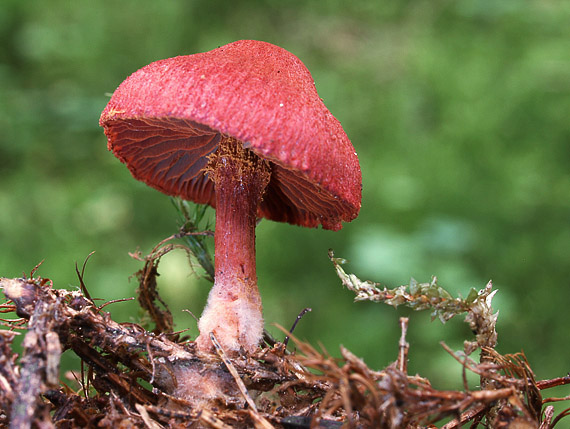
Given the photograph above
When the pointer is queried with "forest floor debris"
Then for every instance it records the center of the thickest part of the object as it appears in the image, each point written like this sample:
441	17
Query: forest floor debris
128	377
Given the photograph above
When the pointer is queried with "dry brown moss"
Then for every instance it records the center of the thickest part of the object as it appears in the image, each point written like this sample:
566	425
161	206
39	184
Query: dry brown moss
134	378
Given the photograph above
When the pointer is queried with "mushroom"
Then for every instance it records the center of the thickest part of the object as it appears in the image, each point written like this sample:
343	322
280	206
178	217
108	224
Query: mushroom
240	128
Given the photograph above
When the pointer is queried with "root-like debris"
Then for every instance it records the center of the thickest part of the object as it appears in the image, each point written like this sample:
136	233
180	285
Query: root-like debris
136	378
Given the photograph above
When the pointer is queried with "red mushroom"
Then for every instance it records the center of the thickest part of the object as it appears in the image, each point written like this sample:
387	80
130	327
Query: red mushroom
243	129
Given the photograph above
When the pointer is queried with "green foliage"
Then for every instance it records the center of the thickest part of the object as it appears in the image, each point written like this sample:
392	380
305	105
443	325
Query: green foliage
417	296
458	112
193	220
431	296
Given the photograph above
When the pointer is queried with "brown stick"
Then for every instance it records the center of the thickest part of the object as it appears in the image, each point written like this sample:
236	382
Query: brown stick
404	346
27	406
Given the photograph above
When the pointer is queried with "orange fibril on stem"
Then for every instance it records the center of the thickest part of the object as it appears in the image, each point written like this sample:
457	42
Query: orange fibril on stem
240	128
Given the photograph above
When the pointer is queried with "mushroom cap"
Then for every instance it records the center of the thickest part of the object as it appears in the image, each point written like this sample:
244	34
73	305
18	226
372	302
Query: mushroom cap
166	118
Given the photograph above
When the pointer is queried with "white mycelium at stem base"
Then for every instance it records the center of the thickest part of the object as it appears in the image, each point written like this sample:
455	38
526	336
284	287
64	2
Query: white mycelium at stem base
233	312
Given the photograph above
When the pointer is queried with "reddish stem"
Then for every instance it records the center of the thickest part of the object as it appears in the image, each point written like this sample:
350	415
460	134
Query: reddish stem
233	311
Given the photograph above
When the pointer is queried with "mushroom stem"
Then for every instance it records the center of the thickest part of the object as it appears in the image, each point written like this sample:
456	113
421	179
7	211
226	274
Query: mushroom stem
233	311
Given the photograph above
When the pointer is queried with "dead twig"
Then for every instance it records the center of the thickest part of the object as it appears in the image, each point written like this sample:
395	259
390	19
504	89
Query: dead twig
404	346
299	317
38	360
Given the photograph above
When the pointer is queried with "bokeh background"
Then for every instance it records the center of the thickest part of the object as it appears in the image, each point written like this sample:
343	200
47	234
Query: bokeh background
459	112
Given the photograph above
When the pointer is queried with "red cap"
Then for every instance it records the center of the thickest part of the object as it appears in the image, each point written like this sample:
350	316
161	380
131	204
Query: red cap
166	118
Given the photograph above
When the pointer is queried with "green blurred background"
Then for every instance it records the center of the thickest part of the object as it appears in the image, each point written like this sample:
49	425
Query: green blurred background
459	114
